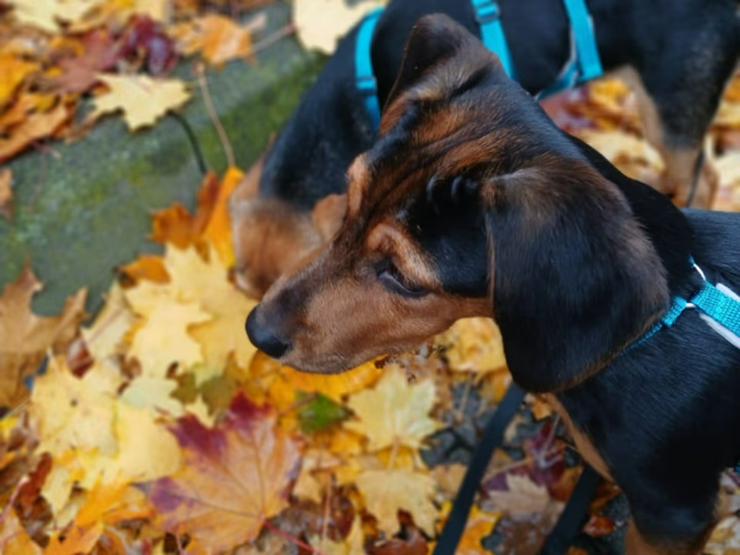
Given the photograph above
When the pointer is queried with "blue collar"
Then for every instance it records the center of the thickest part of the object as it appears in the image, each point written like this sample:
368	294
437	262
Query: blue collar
712	302
583	64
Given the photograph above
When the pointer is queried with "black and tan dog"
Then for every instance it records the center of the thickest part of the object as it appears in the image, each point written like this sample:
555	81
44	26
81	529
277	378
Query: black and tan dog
677	54
472	203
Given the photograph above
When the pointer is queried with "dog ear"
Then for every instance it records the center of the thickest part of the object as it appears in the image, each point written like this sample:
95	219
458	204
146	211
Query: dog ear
574	277
435	40
328	215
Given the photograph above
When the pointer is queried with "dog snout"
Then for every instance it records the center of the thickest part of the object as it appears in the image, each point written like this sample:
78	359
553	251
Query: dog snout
265	337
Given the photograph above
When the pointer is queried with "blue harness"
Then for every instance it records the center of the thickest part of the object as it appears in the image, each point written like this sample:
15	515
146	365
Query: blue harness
583	64
712	302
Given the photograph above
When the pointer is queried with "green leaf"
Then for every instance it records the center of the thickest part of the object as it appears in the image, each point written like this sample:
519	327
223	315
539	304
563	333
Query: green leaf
318	413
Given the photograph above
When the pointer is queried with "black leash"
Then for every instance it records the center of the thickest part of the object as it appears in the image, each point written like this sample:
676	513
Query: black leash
493	435
570	521
574	515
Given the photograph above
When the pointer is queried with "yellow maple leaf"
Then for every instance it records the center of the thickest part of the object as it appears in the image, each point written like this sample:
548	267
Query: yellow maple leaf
206	283
46	14
72	413
142	99
320	23
385	492
473	345
153	393
104	338
394	412
162	337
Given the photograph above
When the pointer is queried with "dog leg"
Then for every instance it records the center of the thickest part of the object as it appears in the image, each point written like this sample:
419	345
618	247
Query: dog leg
687	178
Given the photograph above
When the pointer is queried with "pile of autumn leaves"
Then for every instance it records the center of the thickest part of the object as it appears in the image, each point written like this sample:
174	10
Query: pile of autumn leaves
159	428
64	63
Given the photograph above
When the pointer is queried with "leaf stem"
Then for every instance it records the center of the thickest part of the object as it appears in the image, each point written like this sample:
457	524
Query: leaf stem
287	536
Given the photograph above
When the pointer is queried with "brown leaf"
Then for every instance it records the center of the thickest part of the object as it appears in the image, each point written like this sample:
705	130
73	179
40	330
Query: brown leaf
148	267
37	126
6	193
599	526
27	337
101	52
233	477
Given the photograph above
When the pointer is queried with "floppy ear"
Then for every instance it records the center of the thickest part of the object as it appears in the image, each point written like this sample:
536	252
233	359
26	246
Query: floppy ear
574	276
435	40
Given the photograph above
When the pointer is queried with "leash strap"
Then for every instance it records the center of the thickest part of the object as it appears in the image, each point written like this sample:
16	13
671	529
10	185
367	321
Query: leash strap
573	516
493	436
488	16
364	74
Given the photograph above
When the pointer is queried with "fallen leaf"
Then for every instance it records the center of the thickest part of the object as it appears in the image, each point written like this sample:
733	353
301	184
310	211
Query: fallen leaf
35	127
100	53
72	413
394	412
14	540
6	193
46	14
599	526
353	544
174	225
235	476
13	71
480	525
219	38
161	339
104	339
75	541
473	345
27	337
386	492
142	99
204	283
154	394
321	23
218	230
148	267
522	497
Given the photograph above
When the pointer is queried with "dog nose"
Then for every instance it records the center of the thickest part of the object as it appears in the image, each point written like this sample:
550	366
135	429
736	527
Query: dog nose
264	338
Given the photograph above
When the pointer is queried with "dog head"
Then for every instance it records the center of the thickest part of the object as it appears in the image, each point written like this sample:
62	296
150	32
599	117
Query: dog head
272	236
471	203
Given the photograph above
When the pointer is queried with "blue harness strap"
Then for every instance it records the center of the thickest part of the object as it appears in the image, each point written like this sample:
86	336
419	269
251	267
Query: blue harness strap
583	65
488	16
710	301
364	74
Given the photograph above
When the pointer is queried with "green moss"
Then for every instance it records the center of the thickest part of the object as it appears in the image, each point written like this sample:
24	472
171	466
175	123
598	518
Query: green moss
85	208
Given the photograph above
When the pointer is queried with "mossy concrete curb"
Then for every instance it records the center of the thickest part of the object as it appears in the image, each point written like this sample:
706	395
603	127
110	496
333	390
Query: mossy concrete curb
82	209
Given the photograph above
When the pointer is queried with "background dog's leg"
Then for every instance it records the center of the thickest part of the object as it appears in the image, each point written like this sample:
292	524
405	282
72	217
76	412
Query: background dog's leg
676	128
679	81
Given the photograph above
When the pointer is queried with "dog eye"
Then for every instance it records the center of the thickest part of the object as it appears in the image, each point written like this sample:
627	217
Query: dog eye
396	282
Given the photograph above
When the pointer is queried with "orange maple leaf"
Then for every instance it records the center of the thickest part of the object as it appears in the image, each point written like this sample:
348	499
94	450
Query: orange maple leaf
233	477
